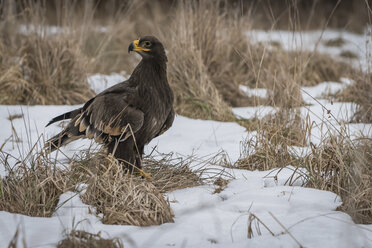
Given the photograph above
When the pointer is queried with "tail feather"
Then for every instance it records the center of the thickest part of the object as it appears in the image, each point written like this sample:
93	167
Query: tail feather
65	116
68	135
55	142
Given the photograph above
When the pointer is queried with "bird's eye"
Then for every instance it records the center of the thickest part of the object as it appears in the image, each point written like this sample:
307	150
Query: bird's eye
147	43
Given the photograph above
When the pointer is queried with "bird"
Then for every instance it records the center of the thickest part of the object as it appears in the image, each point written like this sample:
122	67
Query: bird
127	116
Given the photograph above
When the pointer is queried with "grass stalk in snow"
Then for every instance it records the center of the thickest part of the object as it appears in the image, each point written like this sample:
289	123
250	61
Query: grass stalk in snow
82	239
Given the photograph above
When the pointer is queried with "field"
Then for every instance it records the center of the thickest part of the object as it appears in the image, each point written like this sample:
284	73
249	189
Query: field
271	145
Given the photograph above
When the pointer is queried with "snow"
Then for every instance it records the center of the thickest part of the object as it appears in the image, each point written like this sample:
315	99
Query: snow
321	90
52	30
202	217
359	44
321	113
256	92
253	112
100	82
292	214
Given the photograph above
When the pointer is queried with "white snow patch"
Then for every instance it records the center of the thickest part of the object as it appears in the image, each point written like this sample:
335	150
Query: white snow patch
256	92
253	112
359	44
100	82
200	138
321	90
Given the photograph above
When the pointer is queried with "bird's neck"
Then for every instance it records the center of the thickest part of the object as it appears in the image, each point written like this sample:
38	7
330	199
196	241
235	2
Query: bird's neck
150	72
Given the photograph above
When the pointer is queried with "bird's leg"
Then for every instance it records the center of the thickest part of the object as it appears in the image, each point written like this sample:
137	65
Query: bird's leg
139	155
128	156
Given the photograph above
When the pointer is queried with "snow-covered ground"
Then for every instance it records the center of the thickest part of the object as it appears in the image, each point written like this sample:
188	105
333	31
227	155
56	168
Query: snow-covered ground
292	214
358	44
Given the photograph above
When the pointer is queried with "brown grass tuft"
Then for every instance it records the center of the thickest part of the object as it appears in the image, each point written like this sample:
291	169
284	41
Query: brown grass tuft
82	239
44	70
275	133
266	155
343	167
277	66
282	73
32	191
360	92
336	42
123	199
169	174
220	184
193	65
348	54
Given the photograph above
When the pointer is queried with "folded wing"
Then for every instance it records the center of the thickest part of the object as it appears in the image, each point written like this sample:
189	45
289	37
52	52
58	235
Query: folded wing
107	116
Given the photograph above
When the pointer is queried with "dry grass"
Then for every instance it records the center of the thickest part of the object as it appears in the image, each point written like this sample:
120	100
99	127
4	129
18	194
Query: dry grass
269	148
123	199
348	54
82	239
32	191
209	56
210	61
169	174
360	92
343	167
337	164
282	73
34	185
309	15
220	184
336	42
302	67
201	55
43	70
130	200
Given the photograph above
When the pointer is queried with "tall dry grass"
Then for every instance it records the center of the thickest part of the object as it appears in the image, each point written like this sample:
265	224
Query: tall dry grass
344	167
209	54
201	40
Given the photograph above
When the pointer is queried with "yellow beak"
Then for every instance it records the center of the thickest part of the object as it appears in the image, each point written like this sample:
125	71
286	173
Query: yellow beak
135	47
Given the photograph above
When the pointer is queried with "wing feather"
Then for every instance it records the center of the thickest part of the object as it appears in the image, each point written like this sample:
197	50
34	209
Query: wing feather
109	115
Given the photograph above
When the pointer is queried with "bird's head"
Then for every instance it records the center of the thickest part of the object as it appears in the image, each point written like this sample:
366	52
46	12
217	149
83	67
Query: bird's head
148	47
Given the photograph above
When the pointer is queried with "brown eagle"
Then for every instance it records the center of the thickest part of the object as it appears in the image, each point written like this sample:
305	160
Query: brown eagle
128	115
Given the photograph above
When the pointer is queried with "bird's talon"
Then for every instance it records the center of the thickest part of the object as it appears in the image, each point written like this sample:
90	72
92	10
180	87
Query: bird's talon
143	174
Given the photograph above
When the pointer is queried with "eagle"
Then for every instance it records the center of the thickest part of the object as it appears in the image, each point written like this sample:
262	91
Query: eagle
127	116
